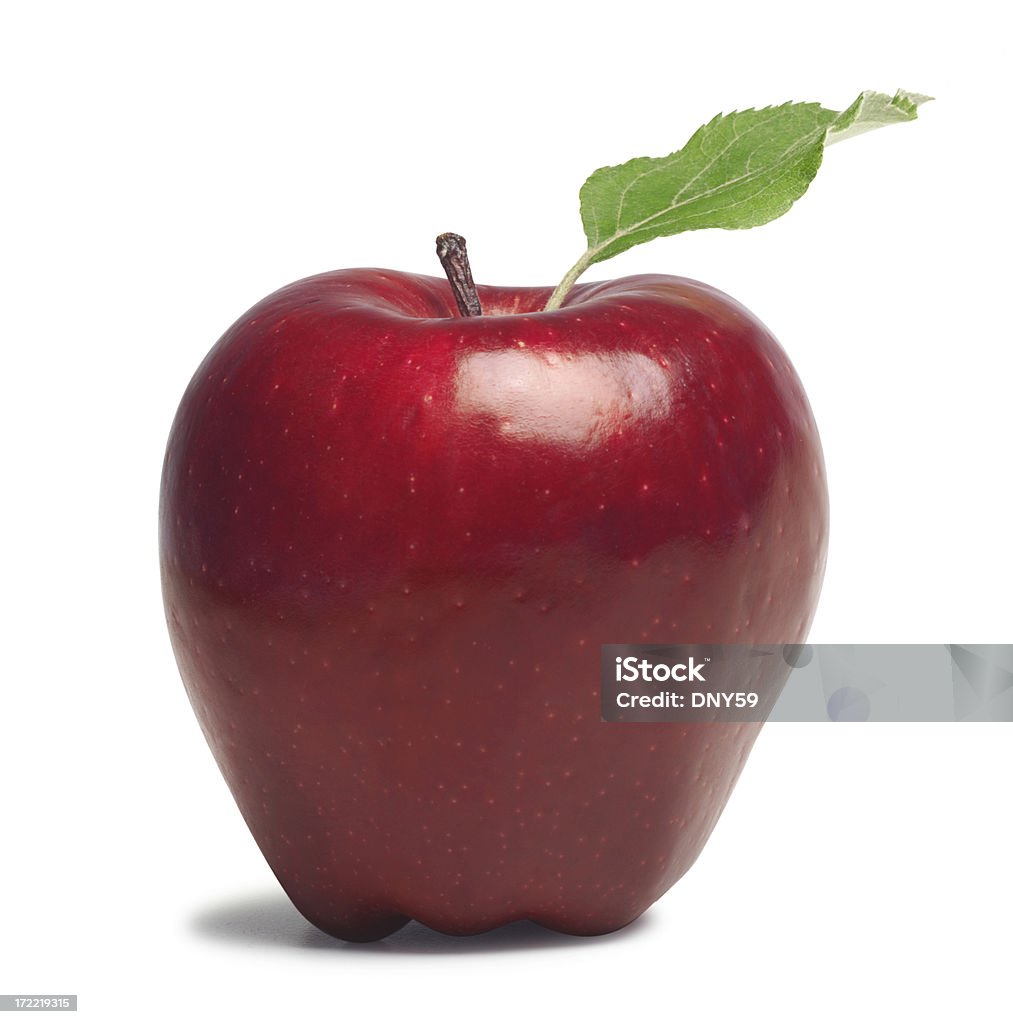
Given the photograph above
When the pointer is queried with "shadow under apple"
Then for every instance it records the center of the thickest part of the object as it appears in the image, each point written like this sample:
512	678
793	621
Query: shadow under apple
261	920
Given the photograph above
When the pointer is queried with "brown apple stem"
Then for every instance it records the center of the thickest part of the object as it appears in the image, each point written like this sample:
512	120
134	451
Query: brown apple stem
453	253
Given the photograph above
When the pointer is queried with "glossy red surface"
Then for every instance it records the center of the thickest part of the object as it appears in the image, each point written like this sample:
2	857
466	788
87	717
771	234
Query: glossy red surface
393	540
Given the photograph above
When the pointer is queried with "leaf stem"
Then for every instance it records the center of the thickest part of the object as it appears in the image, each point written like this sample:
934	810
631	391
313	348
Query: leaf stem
564	286
453	253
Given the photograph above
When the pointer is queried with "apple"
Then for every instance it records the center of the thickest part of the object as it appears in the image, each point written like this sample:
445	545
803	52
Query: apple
393	541
401	517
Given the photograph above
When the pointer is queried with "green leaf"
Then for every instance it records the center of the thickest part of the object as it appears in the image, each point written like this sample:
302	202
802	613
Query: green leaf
738	171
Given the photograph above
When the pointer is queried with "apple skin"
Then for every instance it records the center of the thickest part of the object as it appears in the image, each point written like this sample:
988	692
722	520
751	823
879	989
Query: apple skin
392	541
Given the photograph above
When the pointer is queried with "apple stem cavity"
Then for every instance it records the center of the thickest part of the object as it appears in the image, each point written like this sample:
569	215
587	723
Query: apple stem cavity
453	253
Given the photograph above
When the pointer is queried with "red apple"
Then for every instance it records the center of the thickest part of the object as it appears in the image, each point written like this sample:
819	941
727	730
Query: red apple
393	540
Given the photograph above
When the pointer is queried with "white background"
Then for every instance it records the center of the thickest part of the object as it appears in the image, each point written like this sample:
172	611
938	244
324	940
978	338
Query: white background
165	166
